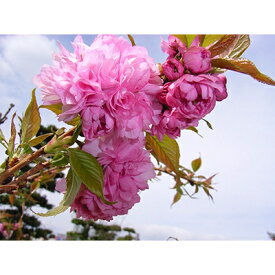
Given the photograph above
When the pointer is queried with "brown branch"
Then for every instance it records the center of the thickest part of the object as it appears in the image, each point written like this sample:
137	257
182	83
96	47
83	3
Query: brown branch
165	170
15	183
32	171
170	172
7	174
47	171
25	161
8	188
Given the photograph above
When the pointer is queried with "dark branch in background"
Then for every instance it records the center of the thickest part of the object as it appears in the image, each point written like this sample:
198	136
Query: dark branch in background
4	117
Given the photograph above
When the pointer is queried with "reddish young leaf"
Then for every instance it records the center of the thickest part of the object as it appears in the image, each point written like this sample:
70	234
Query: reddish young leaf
224	46
242	44
242	65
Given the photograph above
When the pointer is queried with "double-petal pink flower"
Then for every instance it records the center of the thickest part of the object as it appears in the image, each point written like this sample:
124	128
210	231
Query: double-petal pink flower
127	168
104	80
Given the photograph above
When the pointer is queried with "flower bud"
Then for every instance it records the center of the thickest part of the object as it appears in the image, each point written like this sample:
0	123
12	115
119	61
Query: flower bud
173	69
173	46
197	60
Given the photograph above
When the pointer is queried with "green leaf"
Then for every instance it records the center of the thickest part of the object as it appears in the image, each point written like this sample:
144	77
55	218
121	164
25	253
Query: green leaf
190	38
210	39
182	37
196	189
87	168
196	164
207	193
194	129
3	166
177	197
205	39
2	137
208	123
165	151
242	44
37	140
131	38
26	149
31	120
60	159
57	109
73	186
3	140
12	137
76	133
242	65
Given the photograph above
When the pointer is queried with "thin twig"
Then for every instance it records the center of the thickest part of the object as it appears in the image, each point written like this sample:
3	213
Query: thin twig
15	184
170	172
7	188
32	171
5	116
47	171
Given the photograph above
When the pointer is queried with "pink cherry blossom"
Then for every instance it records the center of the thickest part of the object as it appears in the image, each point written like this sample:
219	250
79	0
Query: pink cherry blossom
61	185
98	81
170	124
127	168
186	101
96	121
195	96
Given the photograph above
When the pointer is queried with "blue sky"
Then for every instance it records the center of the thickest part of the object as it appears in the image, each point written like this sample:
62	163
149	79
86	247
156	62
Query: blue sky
240	148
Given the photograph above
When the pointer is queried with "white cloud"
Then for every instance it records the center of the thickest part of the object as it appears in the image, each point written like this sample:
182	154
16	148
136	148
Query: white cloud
24	54
21	57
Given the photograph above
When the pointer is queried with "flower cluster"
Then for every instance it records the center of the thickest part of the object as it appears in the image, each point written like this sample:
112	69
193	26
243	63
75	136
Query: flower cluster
190	91
113	86
119	93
